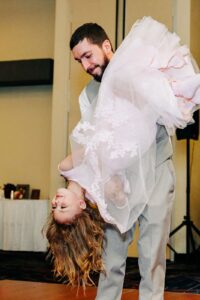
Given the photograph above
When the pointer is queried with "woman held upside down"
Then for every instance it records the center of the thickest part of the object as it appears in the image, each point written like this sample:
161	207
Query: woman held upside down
75	230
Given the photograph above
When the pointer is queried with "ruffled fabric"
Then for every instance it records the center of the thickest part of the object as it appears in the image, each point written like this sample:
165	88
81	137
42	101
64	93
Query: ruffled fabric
150	80
161	71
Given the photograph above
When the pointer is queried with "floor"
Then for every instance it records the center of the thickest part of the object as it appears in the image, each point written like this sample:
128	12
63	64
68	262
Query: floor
183	276
23	290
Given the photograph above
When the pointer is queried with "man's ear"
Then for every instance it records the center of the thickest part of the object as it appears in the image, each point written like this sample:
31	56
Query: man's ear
82	204
106	46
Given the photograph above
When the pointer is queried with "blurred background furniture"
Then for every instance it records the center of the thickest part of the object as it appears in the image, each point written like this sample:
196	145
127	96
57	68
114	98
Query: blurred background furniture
21	223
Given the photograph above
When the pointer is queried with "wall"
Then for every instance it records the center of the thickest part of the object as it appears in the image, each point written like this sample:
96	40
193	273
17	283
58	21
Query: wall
26	31
195	145
187	25
159	10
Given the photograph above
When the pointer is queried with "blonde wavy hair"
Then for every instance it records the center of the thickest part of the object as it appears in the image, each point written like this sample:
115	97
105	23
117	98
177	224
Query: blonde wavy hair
76	249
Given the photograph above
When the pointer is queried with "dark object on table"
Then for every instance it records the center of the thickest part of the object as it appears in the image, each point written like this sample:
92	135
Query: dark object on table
24	190
8	187
35	194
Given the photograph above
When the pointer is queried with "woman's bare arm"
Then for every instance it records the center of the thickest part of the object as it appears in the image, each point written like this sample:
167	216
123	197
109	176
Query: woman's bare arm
66	164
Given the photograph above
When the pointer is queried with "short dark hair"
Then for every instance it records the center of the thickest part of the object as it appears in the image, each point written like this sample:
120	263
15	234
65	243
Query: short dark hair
92	31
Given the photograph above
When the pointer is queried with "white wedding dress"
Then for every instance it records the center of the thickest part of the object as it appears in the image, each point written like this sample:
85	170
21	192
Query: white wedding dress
149	80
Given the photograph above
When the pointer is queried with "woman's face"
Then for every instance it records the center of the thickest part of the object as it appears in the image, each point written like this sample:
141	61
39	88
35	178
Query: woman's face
66	205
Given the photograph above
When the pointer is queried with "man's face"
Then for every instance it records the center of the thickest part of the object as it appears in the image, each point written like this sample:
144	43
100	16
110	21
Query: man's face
93	58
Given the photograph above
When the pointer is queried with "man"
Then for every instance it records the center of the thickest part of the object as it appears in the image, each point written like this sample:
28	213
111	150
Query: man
92	48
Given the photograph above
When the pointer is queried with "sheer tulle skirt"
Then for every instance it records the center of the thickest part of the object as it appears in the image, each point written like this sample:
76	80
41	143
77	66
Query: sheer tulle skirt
150	80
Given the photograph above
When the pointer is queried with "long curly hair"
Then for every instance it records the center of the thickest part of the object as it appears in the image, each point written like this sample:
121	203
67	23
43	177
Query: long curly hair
76	249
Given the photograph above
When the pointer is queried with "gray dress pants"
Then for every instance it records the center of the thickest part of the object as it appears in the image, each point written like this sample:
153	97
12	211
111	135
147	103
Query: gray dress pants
154	227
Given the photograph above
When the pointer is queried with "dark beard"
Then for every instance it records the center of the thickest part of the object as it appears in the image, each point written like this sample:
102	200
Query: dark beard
97	77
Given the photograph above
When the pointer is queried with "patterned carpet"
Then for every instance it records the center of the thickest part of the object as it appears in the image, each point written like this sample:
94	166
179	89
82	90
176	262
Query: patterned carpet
183	275
33	266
